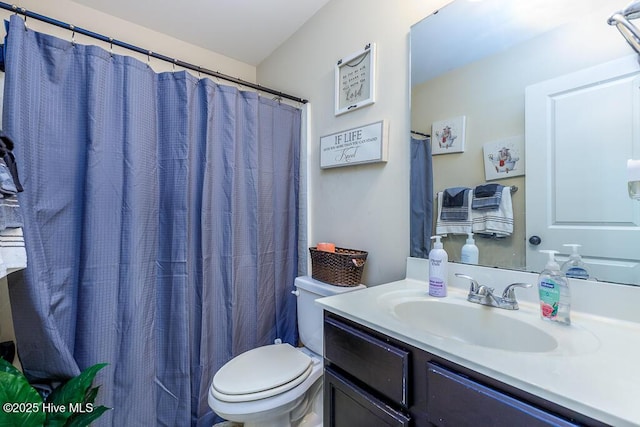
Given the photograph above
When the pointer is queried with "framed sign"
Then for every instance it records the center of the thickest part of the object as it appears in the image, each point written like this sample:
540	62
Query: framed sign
355	80
365	144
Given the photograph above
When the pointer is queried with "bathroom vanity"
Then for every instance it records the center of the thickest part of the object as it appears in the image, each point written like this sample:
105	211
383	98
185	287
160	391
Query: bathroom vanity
395	356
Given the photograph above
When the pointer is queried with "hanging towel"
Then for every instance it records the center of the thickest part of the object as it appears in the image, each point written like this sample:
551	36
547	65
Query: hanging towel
487	196
10	213
497	222
444	226
455	204
13	255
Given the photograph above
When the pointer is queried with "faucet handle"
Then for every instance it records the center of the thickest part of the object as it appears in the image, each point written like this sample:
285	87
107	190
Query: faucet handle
475	286
509	293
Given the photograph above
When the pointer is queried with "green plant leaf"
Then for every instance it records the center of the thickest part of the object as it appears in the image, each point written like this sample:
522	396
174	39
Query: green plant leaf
73	391
83	420
15	389
91	394
5	366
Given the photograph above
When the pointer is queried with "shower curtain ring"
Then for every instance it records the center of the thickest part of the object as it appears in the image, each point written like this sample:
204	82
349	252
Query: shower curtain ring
111	46
149	53
73	34
174	65
24	12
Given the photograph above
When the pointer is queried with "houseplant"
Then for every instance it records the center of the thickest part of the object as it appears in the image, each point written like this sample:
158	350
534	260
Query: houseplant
71	404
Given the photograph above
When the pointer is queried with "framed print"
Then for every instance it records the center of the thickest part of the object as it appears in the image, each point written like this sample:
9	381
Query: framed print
504	158
448	136
364	144
355	80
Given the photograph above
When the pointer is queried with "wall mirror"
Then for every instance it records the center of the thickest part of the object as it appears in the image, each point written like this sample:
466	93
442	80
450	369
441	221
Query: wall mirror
484	60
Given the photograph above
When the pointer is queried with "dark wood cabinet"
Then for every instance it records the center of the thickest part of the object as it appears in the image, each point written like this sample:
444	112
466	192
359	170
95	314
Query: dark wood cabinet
348	405
375	380
456	400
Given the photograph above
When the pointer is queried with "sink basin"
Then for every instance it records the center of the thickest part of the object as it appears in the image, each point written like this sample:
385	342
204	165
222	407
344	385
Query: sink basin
472	324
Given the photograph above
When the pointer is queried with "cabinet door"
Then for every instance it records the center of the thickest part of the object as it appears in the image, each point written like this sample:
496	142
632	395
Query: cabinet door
346	405
455	400
379	364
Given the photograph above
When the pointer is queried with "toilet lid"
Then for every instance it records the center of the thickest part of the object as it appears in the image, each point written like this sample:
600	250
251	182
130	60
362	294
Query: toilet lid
261	372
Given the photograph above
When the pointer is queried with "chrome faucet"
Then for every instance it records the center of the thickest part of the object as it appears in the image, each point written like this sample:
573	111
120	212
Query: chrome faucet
481	294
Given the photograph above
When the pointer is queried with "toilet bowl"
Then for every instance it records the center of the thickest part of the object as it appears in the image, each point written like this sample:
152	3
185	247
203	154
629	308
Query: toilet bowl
279	385
287	379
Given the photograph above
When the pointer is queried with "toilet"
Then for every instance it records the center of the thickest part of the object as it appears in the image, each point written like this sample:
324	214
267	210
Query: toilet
279	385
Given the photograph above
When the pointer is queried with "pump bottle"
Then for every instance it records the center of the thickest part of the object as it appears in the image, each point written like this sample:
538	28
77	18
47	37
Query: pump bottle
438	269
553	287
469	254
574	267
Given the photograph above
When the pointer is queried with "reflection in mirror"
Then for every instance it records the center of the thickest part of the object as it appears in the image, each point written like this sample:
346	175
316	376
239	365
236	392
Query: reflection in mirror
484	61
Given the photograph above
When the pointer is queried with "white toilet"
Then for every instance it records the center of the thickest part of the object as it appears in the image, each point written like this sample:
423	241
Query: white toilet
279	385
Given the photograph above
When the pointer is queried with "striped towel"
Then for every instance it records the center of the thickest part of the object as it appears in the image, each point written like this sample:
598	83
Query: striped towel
462	226
455	204
10	214
13	255
498	222
487	196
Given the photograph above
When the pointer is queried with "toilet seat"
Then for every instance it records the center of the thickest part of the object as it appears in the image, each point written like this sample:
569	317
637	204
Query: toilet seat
261	373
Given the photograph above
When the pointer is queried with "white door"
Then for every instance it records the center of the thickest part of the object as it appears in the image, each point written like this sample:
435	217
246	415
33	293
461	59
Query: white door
580	130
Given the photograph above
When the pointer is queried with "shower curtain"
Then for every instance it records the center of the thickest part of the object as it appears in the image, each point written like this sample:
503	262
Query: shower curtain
160	224
421	196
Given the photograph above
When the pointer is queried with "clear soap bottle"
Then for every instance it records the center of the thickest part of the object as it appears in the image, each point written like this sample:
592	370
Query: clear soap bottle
553	287
574	267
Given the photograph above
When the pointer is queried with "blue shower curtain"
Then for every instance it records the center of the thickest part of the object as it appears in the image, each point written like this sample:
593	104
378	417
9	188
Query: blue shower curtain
160	219
421	198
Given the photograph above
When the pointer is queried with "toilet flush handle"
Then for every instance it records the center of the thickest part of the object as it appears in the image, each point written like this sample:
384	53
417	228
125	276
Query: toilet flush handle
296	293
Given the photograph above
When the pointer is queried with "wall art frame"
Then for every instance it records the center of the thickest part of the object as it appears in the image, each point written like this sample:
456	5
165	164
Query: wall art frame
355	78
504	158
448	135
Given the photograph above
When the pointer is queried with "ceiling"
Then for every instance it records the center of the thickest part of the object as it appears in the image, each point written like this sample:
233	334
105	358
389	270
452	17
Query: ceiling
246	30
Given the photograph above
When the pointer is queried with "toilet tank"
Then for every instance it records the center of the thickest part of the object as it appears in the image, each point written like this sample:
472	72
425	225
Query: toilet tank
310	317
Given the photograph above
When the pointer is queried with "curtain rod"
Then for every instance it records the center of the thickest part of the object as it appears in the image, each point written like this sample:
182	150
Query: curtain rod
149	53
421	134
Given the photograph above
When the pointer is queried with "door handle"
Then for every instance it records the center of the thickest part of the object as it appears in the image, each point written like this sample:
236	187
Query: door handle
535	240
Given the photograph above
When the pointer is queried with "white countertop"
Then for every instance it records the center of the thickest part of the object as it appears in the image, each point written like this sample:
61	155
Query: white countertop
593	371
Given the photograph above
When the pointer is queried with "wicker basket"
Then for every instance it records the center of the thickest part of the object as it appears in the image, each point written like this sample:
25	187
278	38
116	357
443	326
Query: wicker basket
341	268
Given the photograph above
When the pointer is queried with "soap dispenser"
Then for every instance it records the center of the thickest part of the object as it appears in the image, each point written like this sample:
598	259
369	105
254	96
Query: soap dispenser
469	254
574	267
553	287
438	259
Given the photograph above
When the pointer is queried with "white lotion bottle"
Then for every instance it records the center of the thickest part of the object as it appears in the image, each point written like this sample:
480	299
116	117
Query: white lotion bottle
469	254
438	269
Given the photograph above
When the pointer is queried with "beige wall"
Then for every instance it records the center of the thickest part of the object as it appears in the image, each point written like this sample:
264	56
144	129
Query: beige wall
367	206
